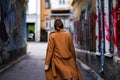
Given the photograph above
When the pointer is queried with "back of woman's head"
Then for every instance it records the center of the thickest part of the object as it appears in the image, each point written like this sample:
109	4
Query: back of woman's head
58	24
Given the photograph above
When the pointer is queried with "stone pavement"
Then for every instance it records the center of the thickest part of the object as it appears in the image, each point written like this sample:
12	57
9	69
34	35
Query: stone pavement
87	73
30	67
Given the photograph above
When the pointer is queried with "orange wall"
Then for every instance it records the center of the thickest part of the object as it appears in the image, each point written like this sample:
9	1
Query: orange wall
44	14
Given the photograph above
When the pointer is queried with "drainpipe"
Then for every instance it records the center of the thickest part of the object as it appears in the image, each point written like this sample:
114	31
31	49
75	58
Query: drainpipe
101	68
111	27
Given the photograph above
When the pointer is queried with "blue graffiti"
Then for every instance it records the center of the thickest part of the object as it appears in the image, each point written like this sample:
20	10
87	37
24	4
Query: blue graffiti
12	26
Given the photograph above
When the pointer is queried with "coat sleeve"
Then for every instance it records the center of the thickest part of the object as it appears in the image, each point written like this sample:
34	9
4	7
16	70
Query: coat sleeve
49	52
72	48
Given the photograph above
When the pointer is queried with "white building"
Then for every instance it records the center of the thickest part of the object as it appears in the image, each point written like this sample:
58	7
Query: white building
60	9
33	17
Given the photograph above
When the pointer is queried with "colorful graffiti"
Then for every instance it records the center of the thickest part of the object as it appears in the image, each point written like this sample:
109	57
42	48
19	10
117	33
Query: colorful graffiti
85	30
12	26
89	33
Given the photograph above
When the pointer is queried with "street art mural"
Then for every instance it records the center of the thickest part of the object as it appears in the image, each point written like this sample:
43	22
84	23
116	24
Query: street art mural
118	25
97	34
88	28
85	30
12	27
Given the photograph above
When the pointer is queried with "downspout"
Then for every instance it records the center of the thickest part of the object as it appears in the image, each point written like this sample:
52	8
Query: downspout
100	7
111	27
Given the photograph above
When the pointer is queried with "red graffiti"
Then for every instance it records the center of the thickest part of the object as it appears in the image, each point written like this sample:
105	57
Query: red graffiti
107	29
96	37
114	11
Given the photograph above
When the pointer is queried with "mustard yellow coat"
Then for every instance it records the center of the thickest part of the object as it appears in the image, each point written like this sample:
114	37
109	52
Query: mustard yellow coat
60	57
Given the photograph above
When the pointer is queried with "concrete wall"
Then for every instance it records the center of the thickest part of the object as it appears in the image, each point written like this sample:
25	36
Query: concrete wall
88	37
45	14
12	29
33	16
45	19
111	67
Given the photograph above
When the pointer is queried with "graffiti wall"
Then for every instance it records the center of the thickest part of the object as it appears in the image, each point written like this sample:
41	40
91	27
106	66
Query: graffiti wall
85	30
118	25
98	37
12	26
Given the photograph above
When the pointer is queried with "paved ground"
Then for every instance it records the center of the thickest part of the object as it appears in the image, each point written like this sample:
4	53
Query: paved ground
31	66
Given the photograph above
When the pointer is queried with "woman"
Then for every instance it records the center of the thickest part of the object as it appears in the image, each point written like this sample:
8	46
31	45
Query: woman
60	63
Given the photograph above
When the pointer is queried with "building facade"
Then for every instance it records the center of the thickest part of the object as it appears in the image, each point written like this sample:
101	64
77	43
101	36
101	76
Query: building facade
52	9
97	35
45	19
13	42
61	9
33	20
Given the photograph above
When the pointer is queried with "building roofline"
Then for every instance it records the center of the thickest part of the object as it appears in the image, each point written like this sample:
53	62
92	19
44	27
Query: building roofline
59	14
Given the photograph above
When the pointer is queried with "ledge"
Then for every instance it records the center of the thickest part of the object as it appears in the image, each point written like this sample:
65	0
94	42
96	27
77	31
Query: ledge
117	59
95	53
109	55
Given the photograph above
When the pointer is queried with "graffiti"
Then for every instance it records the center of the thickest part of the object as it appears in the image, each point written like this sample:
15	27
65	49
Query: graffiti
12	30
107	37
85	29
115	24
111	27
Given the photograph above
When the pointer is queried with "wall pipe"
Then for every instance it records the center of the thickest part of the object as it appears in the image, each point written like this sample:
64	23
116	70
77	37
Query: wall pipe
111	27
100	7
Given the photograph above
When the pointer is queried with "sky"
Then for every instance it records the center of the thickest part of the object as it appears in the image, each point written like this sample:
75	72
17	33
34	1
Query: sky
32	6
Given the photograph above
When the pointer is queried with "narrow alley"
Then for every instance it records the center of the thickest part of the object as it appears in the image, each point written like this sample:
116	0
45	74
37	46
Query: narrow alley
30	67
25	26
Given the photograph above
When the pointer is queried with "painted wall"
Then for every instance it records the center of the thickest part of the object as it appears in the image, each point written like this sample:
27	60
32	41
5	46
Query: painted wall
12	27
88	37
45	14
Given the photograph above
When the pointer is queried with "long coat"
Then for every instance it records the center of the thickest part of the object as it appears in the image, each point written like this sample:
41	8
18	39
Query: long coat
60	56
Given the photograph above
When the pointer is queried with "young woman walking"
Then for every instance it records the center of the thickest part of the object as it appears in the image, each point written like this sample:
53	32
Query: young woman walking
60	62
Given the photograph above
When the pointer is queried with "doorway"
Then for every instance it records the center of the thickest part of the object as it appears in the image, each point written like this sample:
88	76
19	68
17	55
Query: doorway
30	32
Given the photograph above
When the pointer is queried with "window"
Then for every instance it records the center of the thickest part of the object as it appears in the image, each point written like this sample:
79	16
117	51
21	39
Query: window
62	1
47	23
52	22
47	3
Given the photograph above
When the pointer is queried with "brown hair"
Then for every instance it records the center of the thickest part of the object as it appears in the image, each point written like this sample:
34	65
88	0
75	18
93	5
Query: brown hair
58	24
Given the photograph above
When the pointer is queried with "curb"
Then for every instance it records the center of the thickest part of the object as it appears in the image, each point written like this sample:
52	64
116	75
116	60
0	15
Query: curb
11	63
88	69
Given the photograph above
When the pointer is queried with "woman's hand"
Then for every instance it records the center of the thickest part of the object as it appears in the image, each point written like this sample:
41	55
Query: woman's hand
46	67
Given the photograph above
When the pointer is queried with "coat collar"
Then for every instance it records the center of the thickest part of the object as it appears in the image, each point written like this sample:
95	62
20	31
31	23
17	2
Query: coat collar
61	30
